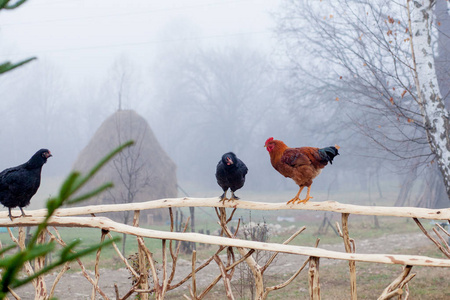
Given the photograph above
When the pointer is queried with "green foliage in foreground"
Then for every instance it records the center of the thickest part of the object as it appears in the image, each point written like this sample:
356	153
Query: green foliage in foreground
12	264
8	66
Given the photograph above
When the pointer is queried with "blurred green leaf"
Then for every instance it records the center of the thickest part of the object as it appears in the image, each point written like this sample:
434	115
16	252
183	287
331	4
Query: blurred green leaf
91	194
4	4
7	66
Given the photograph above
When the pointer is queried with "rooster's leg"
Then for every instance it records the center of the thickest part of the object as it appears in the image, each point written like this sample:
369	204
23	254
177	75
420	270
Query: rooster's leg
296	196
307	196
23	213
223	197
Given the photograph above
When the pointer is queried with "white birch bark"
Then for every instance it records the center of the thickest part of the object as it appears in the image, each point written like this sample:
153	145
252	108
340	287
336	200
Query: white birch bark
435	115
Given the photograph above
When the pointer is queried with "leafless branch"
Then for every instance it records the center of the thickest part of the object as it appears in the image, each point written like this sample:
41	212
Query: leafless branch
443	250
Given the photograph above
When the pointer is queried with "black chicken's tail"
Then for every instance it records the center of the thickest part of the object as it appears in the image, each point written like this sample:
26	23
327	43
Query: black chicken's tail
328	153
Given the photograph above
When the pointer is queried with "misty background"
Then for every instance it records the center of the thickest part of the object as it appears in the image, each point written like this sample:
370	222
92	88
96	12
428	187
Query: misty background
208	76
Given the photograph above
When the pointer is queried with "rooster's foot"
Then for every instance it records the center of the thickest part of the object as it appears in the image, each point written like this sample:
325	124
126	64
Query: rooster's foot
304	200
292	201
296	200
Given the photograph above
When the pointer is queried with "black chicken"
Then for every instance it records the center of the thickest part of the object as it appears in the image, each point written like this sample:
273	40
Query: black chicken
230	174
19	184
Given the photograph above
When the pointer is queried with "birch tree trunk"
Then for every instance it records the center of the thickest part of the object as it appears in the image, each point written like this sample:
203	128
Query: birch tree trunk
435	115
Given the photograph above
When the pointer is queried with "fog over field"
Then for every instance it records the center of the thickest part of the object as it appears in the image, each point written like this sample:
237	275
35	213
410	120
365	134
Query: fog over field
209	77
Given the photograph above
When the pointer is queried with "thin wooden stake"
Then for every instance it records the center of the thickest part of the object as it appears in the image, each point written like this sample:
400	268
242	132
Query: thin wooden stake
14	294
443	241
96	267
39	264
207	262
142	261
225	277
442	228
194	283
287	282
165	278
395	288
9	289
284	243
443	250
122	258
80	263
55	282
130	292
348	249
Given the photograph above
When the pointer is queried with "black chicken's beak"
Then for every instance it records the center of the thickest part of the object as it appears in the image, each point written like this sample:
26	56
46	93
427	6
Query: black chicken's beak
48	155
229	161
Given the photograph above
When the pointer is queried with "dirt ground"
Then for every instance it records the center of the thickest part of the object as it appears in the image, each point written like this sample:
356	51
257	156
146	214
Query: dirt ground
75	285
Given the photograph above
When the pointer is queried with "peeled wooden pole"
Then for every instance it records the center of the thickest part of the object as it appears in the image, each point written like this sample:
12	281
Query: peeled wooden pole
39	263
38	283
143	272
348	249
314	283
107	224
395	288
406	212
59	240
251	262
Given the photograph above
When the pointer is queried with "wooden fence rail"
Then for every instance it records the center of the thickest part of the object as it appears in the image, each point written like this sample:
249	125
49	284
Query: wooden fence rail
405	212
107	224
76	217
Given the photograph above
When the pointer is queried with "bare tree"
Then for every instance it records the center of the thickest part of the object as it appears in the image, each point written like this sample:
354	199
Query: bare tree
216	101
131	166
132	172
442	59
124	84
360	51
435	115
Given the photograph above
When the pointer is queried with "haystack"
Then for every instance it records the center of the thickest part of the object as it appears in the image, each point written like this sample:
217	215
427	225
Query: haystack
141	172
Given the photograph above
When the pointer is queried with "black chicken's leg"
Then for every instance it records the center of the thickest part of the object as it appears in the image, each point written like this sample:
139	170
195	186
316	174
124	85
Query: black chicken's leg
10	215
223	197
23	213
233	196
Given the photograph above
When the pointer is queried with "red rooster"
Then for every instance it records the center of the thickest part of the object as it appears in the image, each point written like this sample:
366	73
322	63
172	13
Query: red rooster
301	164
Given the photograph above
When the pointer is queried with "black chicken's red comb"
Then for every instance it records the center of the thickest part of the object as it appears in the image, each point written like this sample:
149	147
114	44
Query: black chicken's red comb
269	140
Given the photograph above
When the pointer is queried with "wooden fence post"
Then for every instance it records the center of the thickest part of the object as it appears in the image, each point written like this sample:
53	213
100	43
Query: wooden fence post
314	283
41	288
348	249
142	261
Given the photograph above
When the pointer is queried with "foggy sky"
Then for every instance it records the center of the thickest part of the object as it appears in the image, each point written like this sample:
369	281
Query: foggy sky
78	43
162	50
85	37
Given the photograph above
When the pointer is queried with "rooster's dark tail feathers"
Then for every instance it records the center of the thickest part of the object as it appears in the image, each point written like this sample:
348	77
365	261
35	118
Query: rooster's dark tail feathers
328	153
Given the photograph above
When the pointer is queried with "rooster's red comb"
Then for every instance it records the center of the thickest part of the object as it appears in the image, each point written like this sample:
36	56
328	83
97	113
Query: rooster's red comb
269	140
